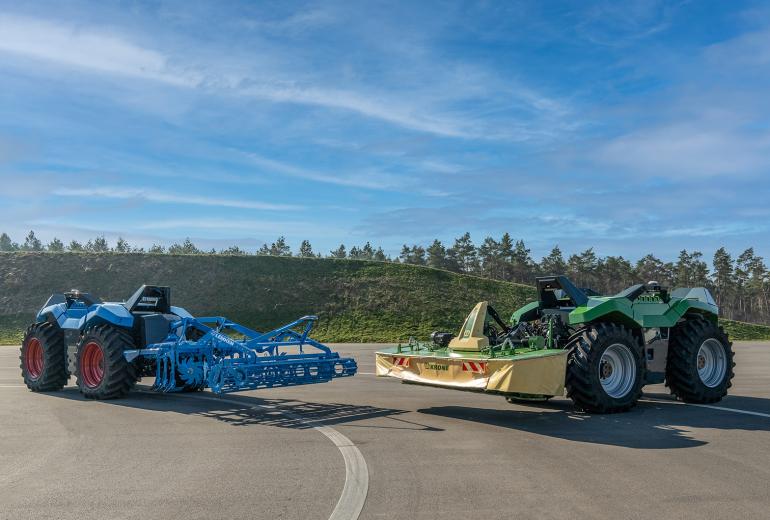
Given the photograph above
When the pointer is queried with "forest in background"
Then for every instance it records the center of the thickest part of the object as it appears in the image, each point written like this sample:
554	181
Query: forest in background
740	284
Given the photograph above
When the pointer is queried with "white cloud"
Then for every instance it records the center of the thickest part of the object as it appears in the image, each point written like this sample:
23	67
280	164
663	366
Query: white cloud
288	228
123	192
71	46
412	106
693	149
368	180
396	113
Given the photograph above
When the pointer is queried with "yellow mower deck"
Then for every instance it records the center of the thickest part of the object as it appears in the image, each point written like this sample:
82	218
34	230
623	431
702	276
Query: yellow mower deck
526	371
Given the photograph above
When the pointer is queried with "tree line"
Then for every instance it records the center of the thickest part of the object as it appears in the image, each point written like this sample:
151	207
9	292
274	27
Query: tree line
740	284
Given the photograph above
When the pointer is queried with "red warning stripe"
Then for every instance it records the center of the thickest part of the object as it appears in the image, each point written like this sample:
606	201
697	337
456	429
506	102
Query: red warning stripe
474	366
401	361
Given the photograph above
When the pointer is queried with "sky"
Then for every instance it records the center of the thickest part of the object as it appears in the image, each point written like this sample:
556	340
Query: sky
632	127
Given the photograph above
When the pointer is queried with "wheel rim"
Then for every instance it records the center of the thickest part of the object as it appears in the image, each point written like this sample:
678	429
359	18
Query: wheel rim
92	365
711	362
617	370
33	358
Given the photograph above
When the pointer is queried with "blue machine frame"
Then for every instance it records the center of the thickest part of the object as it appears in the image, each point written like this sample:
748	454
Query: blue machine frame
211	352
225	364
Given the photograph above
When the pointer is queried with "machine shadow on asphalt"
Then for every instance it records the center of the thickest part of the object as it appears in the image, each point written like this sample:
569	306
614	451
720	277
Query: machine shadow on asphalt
280	413
649	426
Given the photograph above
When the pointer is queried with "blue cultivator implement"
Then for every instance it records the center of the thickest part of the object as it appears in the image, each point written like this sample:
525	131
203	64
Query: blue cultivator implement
258	360
109	346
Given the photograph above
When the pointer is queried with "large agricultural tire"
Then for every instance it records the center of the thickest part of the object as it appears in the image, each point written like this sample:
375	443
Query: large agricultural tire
44	358
700	362
102	370
605	370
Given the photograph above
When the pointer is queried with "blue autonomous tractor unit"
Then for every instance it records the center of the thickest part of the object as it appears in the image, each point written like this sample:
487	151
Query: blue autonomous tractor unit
110	346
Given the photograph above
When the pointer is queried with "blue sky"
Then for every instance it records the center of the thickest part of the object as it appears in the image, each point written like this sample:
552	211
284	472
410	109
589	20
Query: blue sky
633	127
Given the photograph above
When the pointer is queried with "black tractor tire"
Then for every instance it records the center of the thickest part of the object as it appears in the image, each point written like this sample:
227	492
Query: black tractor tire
585	367
101	368
684	357
44	358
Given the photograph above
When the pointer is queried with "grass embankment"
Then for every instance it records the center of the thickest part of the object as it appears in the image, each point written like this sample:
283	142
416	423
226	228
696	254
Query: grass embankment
355	300
740	331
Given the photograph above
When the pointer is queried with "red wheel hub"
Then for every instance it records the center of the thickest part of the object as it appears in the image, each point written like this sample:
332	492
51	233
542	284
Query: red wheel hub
92	365
33	358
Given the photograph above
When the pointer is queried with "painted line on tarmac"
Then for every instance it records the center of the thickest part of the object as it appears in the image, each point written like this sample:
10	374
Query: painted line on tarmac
734	410
711	406
356	487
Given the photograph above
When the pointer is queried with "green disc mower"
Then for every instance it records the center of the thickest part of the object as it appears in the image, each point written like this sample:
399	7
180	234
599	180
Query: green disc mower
601	349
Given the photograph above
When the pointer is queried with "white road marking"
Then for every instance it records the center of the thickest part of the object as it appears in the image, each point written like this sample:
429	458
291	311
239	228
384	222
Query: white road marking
356	487
734	410
711	406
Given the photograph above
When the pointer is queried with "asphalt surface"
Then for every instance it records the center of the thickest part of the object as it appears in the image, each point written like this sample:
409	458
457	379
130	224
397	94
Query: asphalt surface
430	453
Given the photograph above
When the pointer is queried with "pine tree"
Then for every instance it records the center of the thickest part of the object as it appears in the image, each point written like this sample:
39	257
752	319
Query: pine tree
582	267
613	274
32	243
55	245
367	252
506	257
234	251
723	278
488	255
465	253
280	247
75	246
522	263
305	249
186	248
700	270
6	244
437	255
340	252
122	246
98	245
413	255
554	263
650	268
404	255
157	249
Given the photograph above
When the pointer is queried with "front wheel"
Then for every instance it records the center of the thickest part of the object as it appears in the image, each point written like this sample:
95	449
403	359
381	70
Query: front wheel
700	362
102	370
44	358
605	369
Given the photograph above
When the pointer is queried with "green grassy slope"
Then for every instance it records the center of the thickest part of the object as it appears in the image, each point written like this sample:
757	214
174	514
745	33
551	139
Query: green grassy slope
355	300
740	331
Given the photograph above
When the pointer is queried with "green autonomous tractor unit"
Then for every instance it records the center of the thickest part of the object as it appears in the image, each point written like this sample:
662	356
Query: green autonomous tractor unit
601	349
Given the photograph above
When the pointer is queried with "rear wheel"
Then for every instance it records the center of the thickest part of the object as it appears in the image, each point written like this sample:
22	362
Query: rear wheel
43	358
605	369
102	370
700	362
